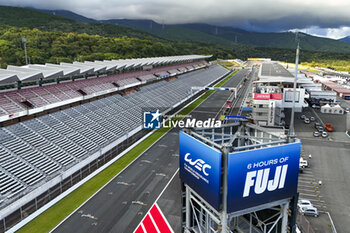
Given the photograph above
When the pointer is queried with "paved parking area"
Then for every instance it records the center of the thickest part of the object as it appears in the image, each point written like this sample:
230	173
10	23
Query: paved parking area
330	163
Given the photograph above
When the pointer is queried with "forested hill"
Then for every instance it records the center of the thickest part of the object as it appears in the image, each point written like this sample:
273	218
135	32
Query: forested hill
228	35
24	17
56	47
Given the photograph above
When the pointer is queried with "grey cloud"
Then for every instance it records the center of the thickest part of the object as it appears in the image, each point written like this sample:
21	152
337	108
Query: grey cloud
267	15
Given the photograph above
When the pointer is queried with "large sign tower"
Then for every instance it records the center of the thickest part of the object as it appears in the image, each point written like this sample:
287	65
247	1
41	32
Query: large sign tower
239	178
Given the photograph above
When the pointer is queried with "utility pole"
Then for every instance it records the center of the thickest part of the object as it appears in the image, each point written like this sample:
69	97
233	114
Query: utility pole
24	41
291	127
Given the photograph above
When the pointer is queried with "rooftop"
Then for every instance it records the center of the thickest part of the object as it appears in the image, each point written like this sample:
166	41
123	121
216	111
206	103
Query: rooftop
274	70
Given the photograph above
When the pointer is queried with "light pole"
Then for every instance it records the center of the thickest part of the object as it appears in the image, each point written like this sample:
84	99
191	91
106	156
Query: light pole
291	128
24	41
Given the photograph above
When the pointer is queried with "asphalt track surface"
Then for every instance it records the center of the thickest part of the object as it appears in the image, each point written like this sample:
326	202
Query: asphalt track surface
120	206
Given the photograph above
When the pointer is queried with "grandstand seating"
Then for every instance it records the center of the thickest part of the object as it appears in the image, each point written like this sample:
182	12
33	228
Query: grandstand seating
10	101
34	151
162	74
147	77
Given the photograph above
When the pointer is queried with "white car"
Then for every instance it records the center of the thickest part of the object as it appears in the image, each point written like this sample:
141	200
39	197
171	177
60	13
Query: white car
324	134
309	211
307	121
317	134
304	203
303	163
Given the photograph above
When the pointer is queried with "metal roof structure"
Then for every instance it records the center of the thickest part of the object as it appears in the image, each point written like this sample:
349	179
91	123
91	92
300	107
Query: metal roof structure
276	73
274	70
35	72
8	76
20	74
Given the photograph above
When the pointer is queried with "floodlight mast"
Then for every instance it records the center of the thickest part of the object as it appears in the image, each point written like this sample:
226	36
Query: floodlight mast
24	41
291	127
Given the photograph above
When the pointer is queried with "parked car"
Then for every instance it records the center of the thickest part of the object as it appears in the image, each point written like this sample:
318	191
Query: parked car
320	129
312	118
347	110
304	203
302	117
303	162
317	124
312	211
329	127
307	121
324	134
317	134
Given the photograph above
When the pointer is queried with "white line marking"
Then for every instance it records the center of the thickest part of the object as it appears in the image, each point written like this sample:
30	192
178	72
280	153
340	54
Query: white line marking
155	202
143	227
305	182
154	223
107	183
306	187
315	200
307	190
306	173
165	219
304	179
310	195
319	206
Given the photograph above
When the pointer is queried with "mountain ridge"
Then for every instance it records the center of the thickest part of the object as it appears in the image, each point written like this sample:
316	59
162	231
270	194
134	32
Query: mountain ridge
345	39
225	36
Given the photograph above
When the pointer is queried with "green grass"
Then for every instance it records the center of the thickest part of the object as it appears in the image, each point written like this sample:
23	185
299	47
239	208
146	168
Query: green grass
339	65
226	79
303	66
228	64
54	215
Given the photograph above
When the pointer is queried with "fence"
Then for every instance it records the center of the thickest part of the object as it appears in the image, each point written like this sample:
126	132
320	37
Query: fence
304	224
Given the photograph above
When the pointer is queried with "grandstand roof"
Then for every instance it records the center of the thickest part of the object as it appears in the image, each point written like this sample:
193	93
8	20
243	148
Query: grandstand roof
84	69
8	75
40	71
48	72
20	74
67	70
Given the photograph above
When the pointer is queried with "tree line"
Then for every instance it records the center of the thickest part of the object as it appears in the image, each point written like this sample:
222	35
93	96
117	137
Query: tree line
57	46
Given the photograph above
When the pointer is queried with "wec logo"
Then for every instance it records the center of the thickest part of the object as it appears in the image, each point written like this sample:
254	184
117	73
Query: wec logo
199	164
261	182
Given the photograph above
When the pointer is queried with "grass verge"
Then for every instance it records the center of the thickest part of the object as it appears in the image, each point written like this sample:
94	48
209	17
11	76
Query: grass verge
54	215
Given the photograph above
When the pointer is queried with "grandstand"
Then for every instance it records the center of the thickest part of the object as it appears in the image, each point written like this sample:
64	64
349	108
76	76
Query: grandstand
76	85
40	153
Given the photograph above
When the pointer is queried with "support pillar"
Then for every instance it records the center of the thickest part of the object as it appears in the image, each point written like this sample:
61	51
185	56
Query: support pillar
284	218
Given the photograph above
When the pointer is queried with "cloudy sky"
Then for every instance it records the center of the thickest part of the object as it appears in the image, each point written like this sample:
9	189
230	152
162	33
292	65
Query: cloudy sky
328	18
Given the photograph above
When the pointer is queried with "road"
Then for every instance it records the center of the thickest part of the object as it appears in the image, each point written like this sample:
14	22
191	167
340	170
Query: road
112	209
